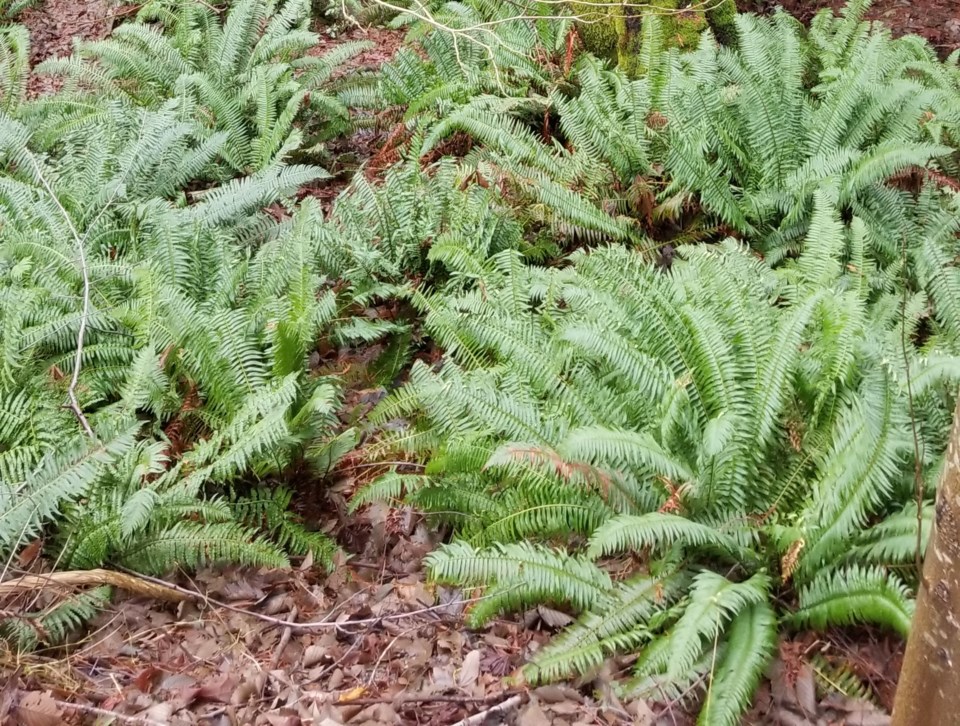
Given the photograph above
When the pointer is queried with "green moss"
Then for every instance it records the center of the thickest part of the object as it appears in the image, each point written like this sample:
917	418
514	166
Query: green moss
599	35
721	18
617	34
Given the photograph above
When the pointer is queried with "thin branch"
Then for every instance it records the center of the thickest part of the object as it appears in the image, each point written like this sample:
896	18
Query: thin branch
86	578
200	597
401	699
284	639
81	333
479	718
104	713
917	457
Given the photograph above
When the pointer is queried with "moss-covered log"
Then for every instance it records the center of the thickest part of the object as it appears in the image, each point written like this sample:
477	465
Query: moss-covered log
616	33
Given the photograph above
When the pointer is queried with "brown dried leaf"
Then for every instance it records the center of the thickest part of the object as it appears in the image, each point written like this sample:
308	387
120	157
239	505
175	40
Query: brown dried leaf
145	679
806	691
533	715
557	694
29	553
38	708
283	717
554	618
313	655
470	670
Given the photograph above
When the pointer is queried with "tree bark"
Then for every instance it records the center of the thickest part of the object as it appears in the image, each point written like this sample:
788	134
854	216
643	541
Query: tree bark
929	687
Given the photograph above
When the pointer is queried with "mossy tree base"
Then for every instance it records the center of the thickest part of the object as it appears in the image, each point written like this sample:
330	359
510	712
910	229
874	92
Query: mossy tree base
614	33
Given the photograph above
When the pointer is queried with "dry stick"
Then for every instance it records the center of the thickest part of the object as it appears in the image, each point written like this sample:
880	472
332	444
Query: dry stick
284	639
94	711
82	578
478	718
401	699
81	333
155	587
81	250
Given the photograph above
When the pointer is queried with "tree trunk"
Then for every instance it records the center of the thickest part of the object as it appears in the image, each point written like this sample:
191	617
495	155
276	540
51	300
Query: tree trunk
929	688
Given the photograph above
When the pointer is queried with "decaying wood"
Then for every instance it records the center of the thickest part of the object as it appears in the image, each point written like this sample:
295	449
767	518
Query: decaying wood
929	687
87	578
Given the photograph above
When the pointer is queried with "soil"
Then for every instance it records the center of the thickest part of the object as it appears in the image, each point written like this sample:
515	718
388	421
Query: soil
53	26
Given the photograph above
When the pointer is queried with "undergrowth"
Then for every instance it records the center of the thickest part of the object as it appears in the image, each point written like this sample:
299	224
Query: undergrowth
698	328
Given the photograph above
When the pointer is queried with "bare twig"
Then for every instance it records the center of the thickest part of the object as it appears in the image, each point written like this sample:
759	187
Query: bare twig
400	699
917	456
373	672
479	718
80	243
84	578
284	639
94	711
81	333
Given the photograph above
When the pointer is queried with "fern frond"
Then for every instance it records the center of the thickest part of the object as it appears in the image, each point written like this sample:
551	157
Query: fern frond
525	575
854	594
751	641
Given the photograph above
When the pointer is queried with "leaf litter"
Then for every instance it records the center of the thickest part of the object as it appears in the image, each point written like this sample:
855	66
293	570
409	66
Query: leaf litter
370	663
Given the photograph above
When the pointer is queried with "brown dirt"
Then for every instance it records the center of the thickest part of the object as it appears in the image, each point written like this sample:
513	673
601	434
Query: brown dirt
936	20
386	42
53	25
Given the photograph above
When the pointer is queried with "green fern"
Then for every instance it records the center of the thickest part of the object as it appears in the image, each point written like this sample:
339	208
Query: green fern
854	595
248	76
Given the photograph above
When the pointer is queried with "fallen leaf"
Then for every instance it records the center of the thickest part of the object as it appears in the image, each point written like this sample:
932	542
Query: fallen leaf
313	655
557	694
218	691
29	553
145	679
352	695
177	681
39	709
470	670
418	653
442	679
806	691
283	717
641	712
160	712
553	618
307	561
533	715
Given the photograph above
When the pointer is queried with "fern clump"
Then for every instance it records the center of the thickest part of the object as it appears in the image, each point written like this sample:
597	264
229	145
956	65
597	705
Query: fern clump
245	74
736	426
843	108
183	331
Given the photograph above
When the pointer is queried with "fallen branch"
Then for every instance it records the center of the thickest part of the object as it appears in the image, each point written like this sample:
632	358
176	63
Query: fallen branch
284	639
86	578
85	312
479	718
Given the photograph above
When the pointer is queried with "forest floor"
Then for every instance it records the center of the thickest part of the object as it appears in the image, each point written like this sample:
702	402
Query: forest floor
372	643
